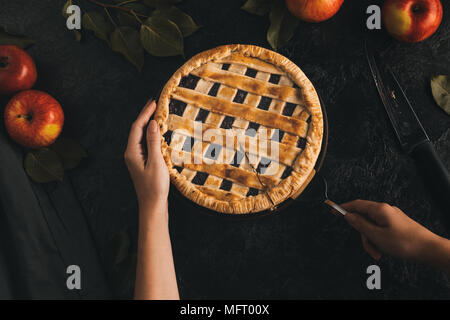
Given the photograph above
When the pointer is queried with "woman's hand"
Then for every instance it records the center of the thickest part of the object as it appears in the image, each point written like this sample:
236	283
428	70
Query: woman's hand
147	168
387	229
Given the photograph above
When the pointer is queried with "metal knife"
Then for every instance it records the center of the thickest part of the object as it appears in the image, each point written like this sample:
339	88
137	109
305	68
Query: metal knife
409	130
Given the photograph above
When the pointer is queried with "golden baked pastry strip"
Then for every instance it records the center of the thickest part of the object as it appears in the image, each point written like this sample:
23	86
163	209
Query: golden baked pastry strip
223	170
224	107
258	144
252	85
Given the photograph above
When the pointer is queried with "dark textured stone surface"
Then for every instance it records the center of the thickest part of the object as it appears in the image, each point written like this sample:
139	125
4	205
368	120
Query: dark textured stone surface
302	252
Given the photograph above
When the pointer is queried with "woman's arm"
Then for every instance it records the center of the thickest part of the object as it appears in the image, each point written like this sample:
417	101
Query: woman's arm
155	273
437	254
387	229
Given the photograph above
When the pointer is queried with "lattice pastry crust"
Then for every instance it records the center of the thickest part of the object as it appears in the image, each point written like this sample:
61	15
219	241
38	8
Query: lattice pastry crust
262	102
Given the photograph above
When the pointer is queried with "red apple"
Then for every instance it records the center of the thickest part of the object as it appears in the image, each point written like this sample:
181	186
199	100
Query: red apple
314	10
17	70
33	118
412	20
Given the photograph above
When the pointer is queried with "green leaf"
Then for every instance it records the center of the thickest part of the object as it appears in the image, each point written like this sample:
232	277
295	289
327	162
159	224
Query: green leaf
161	3
96	22
70	151
440	87
184	21
258	7
16	40
43	165
282	25
64	10
128	19
126	41
161	37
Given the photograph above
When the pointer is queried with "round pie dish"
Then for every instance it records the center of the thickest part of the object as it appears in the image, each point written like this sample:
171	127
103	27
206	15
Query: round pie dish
242	129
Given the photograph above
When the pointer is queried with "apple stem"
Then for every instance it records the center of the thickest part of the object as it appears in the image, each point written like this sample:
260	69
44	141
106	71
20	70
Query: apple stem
3	62
27	116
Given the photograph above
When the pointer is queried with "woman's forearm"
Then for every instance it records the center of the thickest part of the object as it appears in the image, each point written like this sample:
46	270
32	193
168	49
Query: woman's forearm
155	272
437	254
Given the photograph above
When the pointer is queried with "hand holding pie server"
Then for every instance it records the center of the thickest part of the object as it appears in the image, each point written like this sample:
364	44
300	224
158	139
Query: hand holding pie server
388	229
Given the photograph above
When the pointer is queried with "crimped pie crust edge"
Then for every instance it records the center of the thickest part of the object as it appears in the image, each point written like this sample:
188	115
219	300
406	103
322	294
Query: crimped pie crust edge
305	162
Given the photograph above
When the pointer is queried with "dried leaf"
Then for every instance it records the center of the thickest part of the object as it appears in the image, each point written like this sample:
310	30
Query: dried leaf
184	21
282	25
126	41
70	151
440	87
161	37
16	40
43	165
258	7
96	22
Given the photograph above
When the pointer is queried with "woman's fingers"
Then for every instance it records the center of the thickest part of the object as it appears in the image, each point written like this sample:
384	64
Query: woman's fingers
363	225
153	141
368	231
371	220
370	248
137	129
133	153
371	210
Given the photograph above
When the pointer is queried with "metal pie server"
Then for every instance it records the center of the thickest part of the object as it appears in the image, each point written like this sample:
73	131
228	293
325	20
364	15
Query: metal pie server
412	136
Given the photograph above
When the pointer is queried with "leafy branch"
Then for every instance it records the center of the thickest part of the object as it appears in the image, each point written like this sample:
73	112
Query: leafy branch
131	27
118	6
282	23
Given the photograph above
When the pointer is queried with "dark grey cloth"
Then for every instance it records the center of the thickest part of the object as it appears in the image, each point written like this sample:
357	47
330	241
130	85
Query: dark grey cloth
42	232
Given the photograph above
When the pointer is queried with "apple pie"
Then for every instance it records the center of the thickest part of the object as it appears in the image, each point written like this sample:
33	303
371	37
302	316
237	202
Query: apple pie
242	129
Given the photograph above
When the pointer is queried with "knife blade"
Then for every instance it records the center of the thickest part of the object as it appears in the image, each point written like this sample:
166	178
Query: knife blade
407	126
408	129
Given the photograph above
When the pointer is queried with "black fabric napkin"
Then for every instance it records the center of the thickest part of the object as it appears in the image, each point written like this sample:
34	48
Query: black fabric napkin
42	231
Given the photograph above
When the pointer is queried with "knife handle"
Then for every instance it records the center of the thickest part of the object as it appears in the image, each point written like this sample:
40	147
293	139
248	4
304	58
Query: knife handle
434	172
